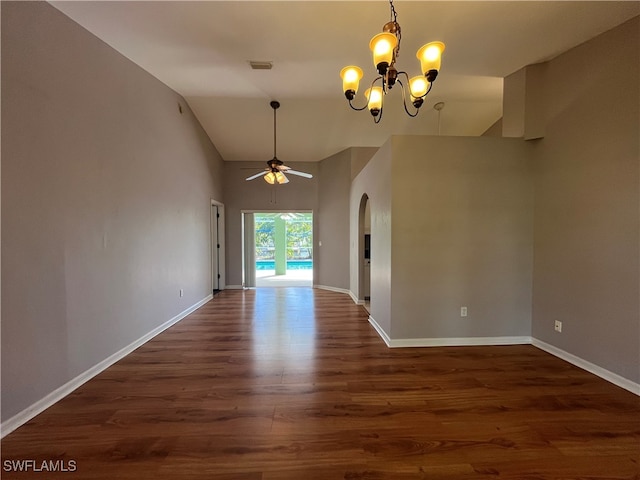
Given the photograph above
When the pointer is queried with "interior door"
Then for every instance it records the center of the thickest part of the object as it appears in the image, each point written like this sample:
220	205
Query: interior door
217	248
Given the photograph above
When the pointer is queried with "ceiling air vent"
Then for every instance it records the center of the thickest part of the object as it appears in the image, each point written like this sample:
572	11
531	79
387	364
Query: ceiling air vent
260	65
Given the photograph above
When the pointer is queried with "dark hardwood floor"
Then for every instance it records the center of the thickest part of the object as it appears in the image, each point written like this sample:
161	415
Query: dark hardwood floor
294	384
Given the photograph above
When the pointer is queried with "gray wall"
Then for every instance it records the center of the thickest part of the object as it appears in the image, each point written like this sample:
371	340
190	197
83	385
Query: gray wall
374	180
586	263
334	185
462	228
494	130
106	193
360	156
334	189
257	195
523	103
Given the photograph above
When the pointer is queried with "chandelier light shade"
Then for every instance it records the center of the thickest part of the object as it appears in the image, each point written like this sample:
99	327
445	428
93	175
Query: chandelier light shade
385	48
418	86
430	56
374	99
351	77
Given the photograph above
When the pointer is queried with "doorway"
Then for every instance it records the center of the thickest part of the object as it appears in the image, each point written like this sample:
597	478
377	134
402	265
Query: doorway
364	251
217	247
278	249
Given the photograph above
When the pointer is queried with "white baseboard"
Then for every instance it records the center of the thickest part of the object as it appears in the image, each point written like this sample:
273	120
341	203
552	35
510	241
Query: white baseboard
233	287
446	342
524	340
355	299
58	394
588	366
380	331
458	341
341	290
333	289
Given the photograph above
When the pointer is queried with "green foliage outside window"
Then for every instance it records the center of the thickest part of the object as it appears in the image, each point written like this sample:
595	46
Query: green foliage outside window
299	235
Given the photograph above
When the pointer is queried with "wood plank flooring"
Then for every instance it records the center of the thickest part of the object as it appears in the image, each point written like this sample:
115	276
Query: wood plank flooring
294	384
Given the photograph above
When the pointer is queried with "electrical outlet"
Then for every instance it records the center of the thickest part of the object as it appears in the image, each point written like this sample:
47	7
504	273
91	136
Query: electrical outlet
463	311
558	326
181	292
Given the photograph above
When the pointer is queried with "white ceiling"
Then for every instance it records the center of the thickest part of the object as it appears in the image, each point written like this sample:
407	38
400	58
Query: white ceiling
201	49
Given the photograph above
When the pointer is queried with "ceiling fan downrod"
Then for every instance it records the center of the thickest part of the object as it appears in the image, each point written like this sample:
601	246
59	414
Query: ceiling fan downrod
276	168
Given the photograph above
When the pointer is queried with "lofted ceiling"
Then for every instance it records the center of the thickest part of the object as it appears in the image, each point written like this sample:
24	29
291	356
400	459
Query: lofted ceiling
202	49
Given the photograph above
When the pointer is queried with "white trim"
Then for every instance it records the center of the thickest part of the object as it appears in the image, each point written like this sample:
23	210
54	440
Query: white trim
333	289
59	393
446	342
458	341
341	290
603	373
355	299
380	331
233	287
588	366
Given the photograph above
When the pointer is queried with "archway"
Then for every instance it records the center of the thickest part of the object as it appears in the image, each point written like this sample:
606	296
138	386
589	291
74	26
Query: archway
364	251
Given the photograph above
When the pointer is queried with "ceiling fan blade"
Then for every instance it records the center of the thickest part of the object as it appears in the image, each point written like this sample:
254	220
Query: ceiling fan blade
283	168
259	174
300	174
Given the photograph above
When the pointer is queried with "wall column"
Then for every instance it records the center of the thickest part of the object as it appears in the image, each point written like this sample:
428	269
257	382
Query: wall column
280	243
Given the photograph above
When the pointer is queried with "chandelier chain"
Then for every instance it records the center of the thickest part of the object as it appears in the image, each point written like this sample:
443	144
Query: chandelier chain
394	19
394	15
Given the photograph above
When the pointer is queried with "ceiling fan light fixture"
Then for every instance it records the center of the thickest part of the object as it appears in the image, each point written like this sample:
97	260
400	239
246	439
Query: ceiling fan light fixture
385	47
270	178
281	178
275	167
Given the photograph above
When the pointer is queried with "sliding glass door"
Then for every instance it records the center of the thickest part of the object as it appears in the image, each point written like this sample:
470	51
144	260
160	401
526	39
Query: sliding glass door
278	249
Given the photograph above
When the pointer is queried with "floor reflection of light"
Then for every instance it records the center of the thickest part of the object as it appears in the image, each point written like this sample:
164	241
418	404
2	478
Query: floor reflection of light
283	330
292	278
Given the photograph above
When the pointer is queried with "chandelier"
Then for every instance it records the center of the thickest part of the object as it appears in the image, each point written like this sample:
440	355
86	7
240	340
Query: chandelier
386	49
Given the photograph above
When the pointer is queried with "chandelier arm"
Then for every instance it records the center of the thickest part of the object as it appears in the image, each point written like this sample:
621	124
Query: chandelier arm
404	99
356	108
428	90
406	75
368	97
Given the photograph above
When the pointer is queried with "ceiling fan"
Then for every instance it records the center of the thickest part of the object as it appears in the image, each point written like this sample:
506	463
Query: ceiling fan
276	169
